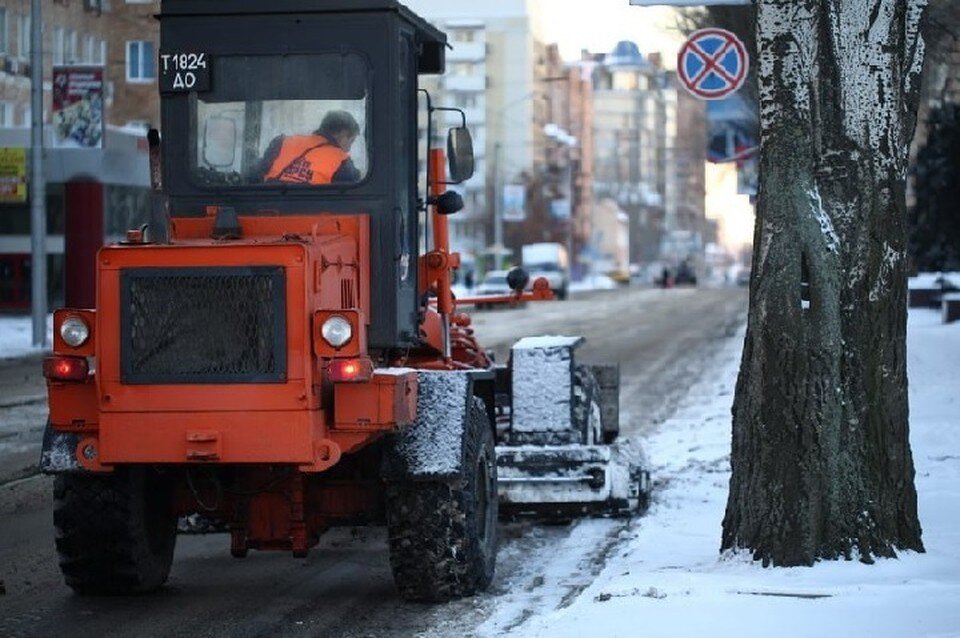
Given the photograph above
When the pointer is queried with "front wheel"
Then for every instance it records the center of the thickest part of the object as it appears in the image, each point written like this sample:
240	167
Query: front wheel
116	532
443	535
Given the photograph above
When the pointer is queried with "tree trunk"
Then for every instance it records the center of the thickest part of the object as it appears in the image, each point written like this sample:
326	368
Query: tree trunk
821	460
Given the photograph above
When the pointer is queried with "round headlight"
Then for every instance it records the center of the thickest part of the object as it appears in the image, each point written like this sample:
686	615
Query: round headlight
74	331
336	331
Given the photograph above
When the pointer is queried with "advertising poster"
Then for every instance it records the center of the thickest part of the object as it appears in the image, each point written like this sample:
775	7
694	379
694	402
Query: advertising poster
13	175
78	106
514	201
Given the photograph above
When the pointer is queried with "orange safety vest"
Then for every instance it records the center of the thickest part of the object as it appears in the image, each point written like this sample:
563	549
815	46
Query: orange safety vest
306	159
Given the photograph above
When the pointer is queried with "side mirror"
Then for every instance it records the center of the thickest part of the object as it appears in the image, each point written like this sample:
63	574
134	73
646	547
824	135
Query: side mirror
517	279
219	142
449	203
460	154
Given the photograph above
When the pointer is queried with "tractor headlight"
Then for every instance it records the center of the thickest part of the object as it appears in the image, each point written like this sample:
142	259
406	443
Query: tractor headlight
336	331
74	331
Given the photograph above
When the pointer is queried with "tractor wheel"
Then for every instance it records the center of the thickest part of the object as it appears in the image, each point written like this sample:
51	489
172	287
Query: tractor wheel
586	406
443	535
116	532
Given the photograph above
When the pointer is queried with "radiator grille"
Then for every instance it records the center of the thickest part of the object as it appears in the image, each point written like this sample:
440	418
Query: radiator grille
203	325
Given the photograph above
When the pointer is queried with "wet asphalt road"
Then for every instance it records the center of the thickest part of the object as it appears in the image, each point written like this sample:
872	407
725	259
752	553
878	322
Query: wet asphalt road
663	340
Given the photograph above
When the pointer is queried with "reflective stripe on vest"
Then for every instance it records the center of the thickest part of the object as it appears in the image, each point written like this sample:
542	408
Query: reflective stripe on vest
306	159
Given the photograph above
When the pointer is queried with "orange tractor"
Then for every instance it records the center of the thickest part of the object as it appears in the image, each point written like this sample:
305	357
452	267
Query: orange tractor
279	351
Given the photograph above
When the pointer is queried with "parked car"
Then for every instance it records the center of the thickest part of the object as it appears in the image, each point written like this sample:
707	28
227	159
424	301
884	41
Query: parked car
494	284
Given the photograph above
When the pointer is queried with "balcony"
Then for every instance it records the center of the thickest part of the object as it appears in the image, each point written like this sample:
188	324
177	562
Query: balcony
467	52
465	83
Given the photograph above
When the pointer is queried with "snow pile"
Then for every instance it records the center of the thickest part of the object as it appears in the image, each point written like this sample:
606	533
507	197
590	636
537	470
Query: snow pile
16	336
667	579
594	282
927	280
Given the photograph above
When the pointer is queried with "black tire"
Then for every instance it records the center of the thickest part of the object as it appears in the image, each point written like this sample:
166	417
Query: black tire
562	293
443	536
586	406
115	533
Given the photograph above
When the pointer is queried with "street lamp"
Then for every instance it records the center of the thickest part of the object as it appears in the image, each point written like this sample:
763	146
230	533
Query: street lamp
569	142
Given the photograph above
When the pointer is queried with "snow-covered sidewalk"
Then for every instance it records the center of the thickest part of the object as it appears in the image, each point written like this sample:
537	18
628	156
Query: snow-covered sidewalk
668	579
16	336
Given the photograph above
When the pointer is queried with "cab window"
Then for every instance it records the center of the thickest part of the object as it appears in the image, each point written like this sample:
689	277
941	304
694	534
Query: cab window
303	123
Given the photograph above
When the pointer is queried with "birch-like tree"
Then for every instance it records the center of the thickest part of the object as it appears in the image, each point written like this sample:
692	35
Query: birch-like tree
821	459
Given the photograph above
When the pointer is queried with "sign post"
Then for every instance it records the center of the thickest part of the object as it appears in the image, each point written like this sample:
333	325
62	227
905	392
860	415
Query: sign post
38	189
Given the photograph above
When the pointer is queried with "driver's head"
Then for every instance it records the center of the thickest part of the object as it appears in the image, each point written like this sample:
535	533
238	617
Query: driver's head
340	128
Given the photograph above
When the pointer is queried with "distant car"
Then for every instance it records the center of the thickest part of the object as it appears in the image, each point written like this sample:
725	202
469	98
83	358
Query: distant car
494	284
685	275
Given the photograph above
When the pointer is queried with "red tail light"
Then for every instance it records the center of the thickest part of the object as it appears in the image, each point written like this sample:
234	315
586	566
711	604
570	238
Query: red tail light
65	368
345	370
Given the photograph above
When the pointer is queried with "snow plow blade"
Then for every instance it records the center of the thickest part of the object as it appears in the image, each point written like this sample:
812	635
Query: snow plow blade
557	452
569	480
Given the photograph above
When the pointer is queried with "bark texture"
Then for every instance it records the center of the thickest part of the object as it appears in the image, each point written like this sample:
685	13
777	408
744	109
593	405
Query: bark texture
821	460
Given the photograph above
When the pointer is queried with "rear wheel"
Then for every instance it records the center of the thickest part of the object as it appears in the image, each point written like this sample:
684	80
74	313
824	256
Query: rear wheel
443	535
115	533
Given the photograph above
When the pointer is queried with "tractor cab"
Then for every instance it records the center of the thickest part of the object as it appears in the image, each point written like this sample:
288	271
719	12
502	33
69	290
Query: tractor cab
249	90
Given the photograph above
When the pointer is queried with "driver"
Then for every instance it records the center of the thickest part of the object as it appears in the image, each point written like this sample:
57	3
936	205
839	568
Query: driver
322	157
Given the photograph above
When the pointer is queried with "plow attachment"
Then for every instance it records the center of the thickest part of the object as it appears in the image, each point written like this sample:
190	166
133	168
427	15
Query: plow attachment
557	453
569	480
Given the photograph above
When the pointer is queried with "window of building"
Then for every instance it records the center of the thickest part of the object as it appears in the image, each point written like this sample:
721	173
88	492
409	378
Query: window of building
140	61
465	100
89	49
464	35
23	37
71	53
103	52
6	113
58	45
3	30
462	68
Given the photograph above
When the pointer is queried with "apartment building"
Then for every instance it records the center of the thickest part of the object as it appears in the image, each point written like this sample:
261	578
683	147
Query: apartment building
494	70
120	35
649	149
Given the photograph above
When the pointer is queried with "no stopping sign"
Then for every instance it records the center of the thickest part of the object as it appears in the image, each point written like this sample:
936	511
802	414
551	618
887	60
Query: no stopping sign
712	64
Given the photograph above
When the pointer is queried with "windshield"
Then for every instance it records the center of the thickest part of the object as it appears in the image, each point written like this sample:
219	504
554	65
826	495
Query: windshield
495	280
305	125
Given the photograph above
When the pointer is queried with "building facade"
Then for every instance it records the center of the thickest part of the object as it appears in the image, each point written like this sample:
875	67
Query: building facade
122	36
494	73
649	149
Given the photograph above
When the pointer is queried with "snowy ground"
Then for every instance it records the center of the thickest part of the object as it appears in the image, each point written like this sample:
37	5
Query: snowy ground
665	577
16	336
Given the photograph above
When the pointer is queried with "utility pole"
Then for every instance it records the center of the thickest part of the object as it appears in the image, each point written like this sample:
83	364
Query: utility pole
38	191
497	210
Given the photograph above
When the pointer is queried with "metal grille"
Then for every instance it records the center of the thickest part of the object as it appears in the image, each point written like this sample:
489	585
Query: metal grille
203	325
347	299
